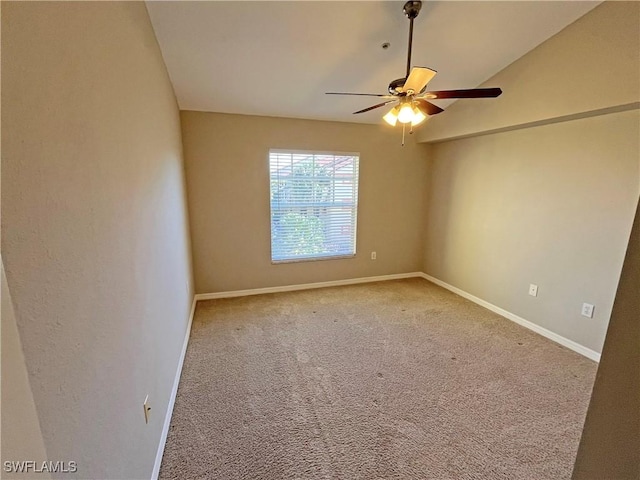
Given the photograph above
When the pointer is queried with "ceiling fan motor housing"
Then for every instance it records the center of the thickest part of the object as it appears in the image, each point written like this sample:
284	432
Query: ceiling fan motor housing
395	87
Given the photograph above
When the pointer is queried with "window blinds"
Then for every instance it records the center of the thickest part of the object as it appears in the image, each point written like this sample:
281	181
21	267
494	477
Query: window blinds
314	203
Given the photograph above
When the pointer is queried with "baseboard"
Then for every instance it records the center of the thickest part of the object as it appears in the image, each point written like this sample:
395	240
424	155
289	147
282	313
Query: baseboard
570	344
576	347
304	286
172	398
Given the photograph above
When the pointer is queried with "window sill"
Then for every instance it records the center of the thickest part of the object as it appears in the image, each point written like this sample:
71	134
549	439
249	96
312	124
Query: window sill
312	259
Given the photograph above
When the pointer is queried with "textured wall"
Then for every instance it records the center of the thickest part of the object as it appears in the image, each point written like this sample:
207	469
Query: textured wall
592	64
21	435
226	159
95	235
610	445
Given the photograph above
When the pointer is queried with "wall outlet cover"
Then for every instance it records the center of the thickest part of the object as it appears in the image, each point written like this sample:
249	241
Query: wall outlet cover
587	310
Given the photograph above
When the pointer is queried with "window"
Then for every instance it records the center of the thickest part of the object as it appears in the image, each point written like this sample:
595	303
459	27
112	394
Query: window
314	203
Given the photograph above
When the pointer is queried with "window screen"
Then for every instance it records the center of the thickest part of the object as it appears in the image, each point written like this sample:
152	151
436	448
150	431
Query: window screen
314	204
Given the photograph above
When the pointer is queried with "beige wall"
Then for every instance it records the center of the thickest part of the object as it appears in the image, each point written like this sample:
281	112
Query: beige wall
589	66
95	236
549	203
226	160
610	444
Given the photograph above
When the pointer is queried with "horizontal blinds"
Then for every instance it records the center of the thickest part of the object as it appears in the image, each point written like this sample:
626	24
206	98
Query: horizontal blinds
314	203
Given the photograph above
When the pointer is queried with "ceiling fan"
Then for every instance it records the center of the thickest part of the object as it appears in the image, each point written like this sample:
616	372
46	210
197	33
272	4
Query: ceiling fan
409	93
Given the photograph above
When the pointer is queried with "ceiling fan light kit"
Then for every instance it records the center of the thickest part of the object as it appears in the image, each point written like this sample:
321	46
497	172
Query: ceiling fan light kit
409	93
405	113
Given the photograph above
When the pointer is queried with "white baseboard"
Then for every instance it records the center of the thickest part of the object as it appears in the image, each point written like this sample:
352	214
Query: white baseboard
304	286
172	398
570	344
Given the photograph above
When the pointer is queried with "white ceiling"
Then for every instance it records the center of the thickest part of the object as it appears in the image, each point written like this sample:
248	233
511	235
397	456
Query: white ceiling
278	58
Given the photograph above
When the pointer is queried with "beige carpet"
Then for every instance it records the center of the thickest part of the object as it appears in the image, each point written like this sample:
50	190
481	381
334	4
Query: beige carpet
389	380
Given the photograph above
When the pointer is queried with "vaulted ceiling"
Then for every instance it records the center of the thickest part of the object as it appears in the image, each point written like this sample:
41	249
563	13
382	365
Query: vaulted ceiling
279	58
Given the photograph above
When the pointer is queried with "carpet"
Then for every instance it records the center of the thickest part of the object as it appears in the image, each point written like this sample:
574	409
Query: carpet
389	380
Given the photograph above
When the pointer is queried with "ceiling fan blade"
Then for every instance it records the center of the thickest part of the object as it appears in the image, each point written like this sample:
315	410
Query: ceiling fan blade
374	106
472	93
361	94
418	79
427	108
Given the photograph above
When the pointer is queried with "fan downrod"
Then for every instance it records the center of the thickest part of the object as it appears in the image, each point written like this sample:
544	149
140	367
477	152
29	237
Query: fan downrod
411	9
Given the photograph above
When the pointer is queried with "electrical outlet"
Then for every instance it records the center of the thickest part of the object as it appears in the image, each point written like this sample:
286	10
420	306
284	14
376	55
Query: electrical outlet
533	290
587	310
373	255
147	409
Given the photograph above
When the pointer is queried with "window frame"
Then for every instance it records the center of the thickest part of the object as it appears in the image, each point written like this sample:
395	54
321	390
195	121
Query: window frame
288	151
